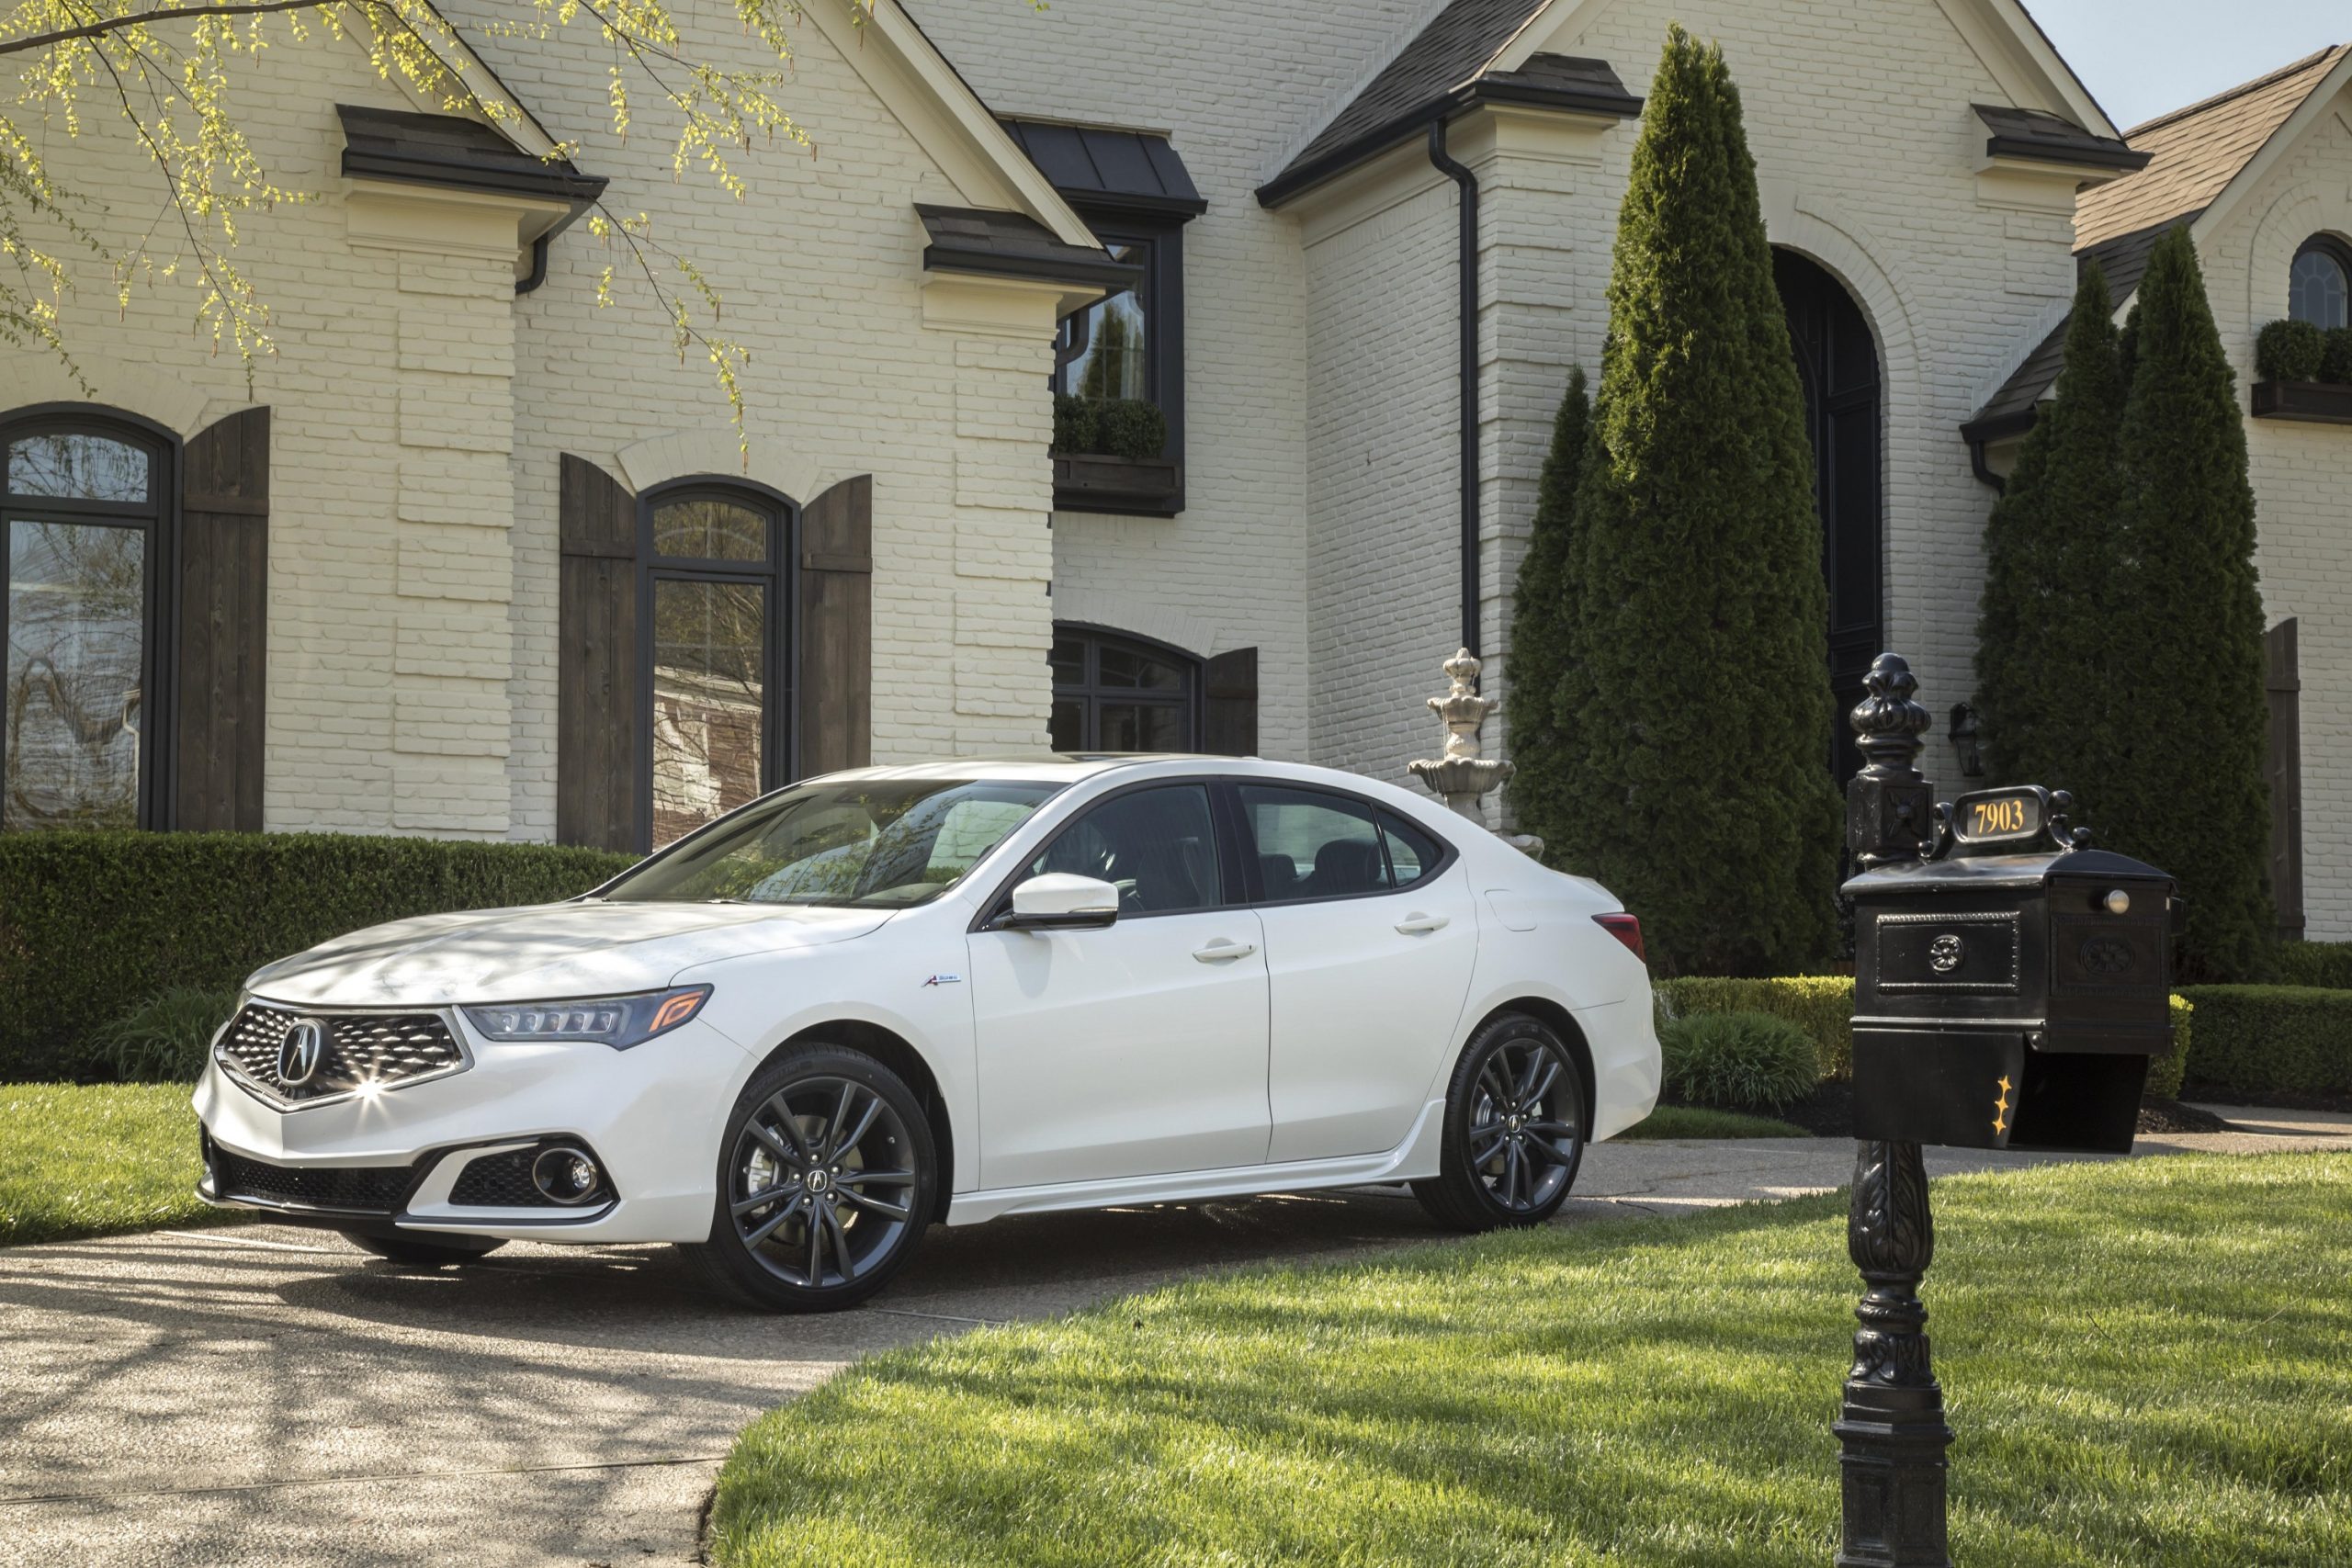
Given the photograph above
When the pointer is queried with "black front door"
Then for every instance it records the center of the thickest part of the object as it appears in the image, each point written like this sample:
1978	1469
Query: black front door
1838	362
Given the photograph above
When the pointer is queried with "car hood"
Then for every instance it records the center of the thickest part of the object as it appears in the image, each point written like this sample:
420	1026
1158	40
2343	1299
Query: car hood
543	952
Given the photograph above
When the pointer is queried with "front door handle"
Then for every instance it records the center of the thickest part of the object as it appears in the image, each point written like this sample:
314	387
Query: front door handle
1220	949
1416	922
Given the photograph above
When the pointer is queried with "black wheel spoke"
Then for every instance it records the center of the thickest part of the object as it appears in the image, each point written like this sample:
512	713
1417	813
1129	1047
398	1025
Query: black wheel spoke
864	1125
830	1218
790	1153
876	1205
1545	1152
840	1122
762	1199
1514	1167
1544	1080
767	1227
877	1178
1479	1157
1495	1081
816	1275
1551	1129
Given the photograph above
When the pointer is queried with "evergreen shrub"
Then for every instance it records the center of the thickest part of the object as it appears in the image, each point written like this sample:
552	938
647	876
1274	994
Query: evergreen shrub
92	925
1821	1005
1115	427
1542	630
2336	363
2327	964
1739	1061
2289	351
163	1039
2255	1039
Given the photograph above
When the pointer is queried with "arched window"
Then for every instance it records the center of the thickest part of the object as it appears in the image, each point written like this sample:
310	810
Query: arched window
715	679
1122	694
2319	286
85	505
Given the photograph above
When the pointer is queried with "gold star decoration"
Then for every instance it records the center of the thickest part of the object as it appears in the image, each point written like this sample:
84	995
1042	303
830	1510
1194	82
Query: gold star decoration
2000	1108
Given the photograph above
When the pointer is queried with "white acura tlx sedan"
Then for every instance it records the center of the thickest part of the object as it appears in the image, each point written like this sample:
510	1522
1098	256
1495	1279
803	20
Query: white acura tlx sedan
799	1036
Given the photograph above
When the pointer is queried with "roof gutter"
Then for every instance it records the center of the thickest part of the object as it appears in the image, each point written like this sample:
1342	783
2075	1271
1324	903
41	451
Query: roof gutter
1466	277
1980	434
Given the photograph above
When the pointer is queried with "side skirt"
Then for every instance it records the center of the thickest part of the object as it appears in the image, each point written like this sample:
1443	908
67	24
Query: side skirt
1417	1157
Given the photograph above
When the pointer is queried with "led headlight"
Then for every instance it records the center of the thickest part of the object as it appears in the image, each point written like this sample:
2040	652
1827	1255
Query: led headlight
617	1021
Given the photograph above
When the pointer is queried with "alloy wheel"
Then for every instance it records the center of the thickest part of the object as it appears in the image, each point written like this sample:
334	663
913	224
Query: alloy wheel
1522	1147
822	1184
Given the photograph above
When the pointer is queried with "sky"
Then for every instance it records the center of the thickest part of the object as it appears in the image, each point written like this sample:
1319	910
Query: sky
2140	58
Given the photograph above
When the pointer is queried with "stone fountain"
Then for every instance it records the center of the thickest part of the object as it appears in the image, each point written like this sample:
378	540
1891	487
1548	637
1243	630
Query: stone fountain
1462	775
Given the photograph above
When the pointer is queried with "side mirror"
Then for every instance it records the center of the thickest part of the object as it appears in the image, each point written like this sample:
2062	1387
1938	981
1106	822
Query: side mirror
1059	901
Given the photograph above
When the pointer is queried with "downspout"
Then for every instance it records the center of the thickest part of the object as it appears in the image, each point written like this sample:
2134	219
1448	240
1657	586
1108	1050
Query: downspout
1984	468
539	273
1466	271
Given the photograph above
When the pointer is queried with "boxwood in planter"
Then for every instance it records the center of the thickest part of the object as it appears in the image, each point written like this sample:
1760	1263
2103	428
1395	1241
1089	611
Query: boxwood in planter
2289	351
1108	427
92	925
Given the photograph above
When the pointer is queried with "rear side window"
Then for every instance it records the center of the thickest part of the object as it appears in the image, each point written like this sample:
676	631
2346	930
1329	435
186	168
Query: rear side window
1311	845
1412	852
1157	846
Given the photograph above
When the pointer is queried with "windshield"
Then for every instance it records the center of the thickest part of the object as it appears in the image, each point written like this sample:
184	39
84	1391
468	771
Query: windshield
875	844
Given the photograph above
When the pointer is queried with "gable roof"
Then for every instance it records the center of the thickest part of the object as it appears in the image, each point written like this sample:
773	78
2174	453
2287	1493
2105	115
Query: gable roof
1452	62
2195	152
2195	156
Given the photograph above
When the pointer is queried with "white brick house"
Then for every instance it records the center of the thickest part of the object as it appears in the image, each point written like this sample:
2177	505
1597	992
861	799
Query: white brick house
423	592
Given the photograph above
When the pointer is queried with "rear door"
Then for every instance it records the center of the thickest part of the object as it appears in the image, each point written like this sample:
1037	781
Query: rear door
1371	935
1138	1049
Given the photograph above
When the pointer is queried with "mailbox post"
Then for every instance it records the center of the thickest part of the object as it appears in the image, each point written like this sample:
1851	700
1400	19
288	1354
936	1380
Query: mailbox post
2011	984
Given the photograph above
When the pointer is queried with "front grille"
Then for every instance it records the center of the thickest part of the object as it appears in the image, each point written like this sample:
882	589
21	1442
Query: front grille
384	1049
359	1190
499	1181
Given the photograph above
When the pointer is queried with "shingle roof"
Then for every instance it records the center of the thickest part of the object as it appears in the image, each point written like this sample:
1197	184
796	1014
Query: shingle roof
2197	150
1014	244
2194	153
2040	135
446	149
1448	65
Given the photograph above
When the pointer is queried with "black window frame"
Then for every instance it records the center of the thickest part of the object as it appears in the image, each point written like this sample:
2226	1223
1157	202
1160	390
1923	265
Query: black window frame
2336	250
1160	236
778	576
1092	693
1450	853
160	522
1232	887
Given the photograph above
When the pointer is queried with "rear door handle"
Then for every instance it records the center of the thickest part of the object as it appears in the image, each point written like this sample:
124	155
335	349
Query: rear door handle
1220	949
1416	923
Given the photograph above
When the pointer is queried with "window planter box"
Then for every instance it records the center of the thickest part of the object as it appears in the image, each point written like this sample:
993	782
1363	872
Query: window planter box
2312	402
1149	487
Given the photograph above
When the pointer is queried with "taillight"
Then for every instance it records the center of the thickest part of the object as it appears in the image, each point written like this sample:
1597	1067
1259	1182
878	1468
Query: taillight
1626	929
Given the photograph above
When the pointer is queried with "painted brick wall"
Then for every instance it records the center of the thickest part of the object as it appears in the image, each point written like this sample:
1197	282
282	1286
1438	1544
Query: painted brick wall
2302	480
1233	570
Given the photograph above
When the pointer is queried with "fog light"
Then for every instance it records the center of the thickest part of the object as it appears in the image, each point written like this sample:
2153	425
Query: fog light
565	1175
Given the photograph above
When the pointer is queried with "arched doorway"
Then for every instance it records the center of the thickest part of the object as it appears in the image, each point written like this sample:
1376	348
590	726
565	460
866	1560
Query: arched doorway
1838	363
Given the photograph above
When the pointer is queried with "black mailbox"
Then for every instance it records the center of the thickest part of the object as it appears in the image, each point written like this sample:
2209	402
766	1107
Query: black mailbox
2011	983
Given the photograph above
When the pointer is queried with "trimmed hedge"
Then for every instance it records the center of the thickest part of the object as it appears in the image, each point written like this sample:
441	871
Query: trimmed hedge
1823	1006
2327	964
2259	1038
1739	1061
94	924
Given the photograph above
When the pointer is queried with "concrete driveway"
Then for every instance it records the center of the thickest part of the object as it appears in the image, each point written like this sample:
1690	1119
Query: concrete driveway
261	1395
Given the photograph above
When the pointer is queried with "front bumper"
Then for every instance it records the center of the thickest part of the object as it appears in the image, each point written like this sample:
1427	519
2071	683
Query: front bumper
652	1116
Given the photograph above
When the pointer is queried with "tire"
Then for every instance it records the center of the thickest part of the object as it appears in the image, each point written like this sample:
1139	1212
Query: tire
840	1150
418	1253
1514	1129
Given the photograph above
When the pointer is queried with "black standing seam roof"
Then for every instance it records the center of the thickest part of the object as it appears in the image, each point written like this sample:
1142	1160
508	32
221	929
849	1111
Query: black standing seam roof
1101	166
2040	135
465	154
2124	261
1014	244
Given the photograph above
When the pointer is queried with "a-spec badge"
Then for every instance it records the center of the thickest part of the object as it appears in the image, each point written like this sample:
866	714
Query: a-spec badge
941	980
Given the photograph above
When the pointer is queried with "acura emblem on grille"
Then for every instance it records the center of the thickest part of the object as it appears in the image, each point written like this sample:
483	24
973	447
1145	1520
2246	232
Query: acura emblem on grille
298	1052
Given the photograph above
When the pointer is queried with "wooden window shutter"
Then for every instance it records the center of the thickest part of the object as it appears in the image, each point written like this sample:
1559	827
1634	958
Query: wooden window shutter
1229	704
599	771
835	697
223	636
2286	770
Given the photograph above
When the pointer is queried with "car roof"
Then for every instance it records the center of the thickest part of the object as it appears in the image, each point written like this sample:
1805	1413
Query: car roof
1072	767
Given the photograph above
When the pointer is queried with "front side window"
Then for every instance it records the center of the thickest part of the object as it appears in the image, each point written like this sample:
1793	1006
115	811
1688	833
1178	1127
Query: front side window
82	511
715	661
875	845
2319	286
1114	694
1157	846
1314	845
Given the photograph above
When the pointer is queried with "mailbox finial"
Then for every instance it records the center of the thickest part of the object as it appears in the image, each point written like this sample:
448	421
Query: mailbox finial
1890	806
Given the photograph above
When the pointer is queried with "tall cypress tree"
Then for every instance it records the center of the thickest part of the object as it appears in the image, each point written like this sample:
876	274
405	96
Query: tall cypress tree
2186	683
1698	719
2046	634
1543	612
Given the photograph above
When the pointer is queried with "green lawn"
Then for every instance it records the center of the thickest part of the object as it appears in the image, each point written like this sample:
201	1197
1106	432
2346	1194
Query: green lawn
1696	1121
88	1159
2148	1364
